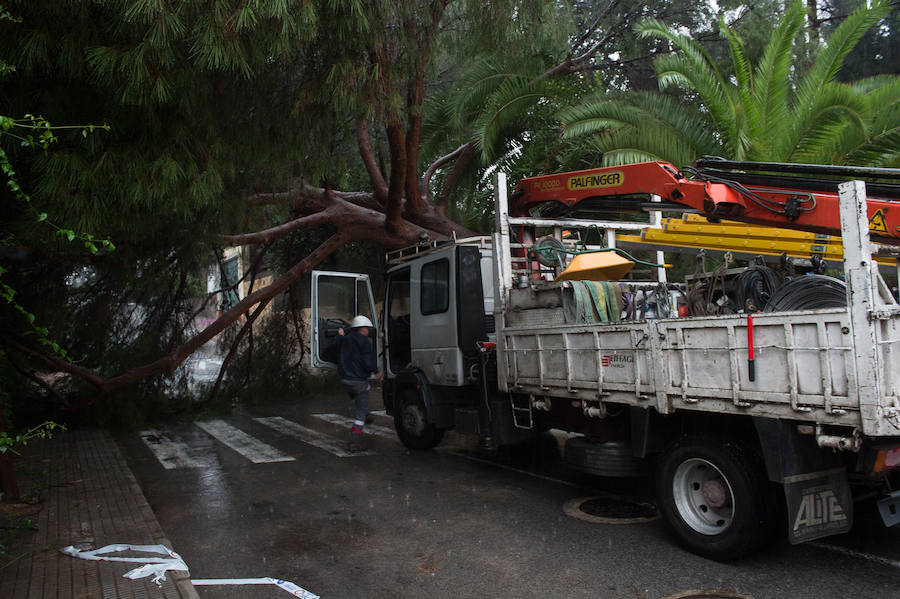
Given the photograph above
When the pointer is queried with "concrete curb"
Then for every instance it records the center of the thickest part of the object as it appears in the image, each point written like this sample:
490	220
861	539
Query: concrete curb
182	581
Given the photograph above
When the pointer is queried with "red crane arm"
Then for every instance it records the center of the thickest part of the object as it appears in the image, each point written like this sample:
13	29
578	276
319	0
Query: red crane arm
814	211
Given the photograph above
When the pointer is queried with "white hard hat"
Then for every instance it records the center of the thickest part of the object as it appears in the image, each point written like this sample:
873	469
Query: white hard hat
360	321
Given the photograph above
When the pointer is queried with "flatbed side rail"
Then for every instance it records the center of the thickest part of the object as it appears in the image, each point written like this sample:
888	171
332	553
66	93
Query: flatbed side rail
695	364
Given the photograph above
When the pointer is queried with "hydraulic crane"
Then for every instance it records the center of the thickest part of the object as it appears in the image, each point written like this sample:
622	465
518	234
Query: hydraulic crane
794	196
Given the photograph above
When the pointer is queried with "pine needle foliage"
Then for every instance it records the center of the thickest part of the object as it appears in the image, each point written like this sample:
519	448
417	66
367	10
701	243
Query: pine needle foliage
211	102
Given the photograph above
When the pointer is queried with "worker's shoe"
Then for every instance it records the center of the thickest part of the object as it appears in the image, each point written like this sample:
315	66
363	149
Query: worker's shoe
354	444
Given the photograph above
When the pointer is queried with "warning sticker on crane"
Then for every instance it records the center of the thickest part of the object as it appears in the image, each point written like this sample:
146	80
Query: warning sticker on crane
878	223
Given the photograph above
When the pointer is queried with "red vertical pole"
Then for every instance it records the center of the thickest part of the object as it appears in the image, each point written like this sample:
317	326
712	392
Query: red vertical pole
751	365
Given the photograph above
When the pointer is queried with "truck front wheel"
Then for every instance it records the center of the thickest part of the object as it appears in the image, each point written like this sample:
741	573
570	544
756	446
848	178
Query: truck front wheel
715	497
412	425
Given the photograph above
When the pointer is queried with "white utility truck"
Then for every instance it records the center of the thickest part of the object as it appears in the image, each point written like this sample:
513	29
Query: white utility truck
769	413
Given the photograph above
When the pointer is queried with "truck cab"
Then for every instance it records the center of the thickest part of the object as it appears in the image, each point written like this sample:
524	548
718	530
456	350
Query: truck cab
438	306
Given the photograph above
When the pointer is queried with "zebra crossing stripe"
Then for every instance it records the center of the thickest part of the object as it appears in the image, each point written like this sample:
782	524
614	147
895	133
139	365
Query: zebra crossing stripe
170	453
309	436
253	449
373	429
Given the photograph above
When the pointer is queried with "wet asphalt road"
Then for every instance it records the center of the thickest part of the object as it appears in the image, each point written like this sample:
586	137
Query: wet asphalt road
448	523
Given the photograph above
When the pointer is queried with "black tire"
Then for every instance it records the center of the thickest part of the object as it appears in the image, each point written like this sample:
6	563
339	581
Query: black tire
412	425
715	497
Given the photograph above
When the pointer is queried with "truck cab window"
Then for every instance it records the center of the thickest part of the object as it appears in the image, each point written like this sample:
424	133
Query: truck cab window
436	287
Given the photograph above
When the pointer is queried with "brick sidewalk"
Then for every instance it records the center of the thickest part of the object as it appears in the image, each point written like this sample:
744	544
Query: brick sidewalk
92	499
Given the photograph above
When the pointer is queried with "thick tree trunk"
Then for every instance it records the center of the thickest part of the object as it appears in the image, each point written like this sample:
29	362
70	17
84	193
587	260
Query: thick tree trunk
415	201
394	210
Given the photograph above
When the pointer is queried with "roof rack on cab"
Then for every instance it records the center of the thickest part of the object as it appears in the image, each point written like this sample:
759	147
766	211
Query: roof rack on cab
423	249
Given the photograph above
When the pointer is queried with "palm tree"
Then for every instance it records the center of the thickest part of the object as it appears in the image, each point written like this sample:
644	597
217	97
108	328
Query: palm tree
775	112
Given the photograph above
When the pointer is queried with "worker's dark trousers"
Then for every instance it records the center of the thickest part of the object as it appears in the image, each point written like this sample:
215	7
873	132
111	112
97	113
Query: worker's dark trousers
359	393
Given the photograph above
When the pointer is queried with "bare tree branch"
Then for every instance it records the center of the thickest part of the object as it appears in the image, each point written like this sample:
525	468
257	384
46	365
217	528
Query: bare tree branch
268	235
450	183
171	360
57	364
30	375
590	30
296	321
572	63
434	166
233	349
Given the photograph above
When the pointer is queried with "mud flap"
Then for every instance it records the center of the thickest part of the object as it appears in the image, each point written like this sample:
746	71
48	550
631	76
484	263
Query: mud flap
889	508
819	505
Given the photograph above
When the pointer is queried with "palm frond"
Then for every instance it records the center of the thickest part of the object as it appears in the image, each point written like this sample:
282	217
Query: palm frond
835	106
840	43
511	100
870	84
694	67
632	144
882	97
772	77
480	80
628	156
742	73
881	144
694	125
882	150
690	47
829	60
597	116
713	90
643	110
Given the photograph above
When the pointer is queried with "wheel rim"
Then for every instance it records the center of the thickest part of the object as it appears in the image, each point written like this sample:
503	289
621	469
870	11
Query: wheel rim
703	496
413	420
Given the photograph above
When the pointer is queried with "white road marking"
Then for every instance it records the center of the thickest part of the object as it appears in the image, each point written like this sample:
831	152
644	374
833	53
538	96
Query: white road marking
374	429
310	436
170	453
853	553
253	449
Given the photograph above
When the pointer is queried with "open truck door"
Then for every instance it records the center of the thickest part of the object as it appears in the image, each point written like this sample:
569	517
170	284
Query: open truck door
336	298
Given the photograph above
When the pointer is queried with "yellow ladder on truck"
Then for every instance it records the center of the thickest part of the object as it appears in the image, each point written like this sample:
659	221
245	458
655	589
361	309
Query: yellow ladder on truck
692	231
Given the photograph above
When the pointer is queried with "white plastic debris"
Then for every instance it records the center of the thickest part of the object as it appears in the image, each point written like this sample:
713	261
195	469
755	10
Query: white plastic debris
286	585
153	566
157	567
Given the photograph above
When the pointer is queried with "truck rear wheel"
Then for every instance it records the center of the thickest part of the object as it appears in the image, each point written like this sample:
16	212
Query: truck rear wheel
715	497
412	425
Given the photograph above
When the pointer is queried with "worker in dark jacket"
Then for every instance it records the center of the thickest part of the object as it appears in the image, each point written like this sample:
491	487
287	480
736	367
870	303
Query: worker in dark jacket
356	363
